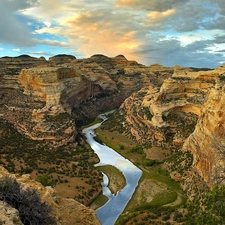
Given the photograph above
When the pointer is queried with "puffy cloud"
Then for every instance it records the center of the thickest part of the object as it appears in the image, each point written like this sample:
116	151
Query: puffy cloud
102	31
156	20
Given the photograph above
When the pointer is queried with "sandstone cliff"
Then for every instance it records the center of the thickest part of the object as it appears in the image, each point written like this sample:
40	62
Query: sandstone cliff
166	112
65	211
206	143
166	117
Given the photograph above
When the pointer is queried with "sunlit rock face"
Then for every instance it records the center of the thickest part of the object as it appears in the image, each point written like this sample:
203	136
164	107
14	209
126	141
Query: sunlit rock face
166	113
65	211
207	142
167	116
10	68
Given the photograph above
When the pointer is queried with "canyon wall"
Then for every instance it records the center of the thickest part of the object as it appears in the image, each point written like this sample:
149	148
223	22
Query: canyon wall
207	143
186	113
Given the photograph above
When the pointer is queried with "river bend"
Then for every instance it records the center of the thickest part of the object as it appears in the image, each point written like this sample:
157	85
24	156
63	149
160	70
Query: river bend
110	211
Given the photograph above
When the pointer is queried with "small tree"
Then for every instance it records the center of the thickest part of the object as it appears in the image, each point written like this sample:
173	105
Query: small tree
31	210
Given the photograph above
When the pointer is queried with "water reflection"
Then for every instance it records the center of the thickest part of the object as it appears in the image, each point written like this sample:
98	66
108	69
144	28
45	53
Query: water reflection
109	212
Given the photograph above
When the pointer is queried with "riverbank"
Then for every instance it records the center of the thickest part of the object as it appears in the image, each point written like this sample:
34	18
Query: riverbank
155	189
109	212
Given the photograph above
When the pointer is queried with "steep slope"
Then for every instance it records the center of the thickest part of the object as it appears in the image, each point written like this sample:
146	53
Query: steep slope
206	143
167	118
165	111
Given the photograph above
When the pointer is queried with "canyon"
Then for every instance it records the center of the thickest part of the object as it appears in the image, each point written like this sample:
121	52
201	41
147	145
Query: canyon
174	113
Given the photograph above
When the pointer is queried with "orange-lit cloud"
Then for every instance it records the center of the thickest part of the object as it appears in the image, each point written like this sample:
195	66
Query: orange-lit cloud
94	34
157	19
167	32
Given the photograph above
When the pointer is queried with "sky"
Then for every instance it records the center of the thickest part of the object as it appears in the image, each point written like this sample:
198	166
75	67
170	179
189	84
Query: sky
189	33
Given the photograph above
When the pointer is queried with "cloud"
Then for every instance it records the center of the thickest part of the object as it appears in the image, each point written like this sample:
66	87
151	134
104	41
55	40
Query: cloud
218	23
219	39
150	5
102	31
220	6
167	32
169	52
13	31
156	20
16	49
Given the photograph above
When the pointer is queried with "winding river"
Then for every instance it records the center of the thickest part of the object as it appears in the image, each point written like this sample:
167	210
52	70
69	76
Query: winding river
110	211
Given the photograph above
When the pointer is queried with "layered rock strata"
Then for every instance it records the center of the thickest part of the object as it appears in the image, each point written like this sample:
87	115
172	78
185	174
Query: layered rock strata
207	143
168	116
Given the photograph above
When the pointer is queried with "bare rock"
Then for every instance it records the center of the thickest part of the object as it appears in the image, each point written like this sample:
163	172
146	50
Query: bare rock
9	215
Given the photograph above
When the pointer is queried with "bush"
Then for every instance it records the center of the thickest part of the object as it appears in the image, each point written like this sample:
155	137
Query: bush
137	149
45	180
31	210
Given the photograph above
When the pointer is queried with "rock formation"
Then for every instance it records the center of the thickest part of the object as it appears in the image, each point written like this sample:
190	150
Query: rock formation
65	211
166	116
48	101
207	143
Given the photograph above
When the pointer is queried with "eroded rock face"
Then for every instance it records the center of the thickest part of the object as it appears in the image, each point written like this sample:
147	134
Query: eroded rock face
167	116
61	59
164	113
65	211
207	143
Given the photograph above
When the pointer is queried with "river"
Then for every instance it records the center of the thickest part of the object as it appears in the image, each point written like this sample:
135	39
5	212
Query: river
110	211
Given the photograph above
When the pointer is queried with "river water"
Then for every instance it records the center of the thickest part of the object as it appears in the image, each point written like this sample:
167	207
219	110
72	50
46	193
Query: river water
110	211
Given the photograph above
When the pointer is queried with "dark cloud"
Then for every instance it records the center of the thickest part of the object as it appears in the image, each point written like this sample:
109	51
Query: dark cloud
12	31
170	53
219	39
218	23
220	6
150	5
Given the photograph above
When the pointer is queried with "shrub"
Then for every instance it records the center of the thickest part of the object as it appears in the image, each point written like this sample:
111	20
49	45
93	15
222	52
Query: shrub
137	149
45	180
31	210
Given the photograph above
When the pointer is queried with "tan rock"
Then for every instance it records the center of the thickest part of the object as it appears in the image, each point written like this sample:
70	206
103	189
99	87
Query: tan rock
66	211
207	141
9	215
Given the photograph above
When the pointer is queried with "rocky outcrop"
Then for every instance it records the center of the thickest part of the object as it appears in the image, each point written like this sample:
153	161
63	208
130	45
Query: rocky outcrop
169	114
207	143
168	117
10	68
65	211
9	215
61	59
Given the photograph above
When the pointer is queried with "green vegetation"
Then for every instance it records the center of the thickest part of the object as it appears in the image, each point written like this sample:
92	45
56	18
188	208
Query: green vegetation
99	201
46	180
117	180
209	210
49	164
27	202
222	78
152	172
